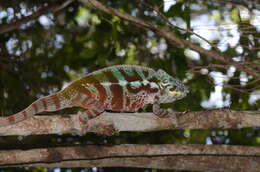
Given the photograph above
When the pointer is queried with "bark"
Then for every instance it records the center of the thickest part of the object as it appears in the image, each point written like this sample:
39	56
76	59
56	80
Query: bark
45	10
112	123
180	157
170	37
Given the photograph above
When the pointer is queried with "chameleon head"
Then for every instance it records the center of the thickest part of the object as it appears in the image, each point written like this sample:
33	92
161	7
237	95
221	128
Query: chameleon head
171	89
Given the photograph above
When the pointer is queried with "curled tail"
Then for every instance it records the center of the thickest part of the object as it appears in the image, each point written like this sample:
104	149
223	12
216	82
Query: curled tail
45	104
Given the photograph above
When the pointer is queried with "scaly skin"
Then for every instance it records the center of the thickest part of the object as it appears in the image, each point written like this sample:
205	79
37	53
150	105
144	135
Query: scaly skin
118	88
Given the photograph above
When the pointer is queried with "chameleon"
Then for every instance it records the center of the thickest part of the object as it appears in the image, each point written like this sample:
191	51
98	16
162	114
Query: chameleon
118	88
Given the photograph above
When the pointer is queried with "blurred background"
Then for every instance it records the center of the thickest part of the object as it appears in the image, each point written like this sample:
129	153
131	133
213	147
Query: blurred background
43	55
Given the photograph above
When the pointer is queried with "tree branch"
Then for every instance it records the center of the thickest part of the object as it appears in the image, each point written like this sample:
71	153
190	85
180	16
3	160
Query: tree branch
246	3
179	157
175	41
44	10
166	20
111	123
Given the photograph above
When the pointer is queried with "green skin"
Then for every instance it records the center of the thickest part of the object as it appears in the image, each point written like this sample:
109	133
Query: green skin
154	87
117	88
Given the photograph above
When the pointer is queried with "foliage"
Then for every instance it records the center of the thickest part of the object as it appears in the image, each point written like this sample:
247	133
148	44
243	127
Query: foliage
43	55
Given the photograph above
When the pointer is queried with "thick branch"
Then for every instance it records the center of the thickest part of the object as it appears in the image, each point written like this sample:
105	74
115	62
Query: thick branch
110	123
49	9
181	162
175	41
181	157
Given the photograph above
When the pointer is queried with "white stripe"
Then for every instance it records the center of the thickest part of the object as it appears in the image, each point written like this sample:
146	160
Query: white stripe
154	85
106	84
123	83
107	102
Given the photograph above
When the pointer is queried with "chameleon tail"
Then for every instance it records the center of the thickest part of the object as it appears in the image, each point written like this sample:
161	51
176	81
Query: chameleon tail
45	104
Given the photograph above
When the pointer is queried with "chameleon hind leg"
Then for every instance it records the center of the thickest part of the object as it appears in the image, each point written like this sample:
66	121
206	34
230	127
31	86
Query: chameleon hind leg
92	108
158	111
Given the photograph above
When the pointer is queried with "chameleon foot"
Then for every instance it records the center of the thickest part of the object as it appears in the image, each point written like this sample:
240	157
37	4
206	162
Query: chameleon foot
83	123
107	130
165	113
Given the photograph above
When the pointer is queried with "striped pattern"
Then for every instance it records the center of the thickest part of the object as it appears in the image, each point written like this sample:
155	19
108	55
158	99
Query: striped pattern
118	88
46	104
121	88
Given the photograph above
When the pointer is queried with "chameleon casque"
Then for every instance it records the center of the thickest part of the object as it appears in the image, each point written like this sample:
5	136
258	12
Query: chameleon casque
117	88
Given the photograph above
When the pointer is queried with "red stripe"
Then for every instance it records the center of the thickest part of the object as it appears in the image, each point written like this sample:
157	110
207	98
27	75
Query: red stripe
86	91
116	91
11	119
102	92
137	105
152	90
24	114
44	104
34	105
109	75
117	99
96	83
56	101
130	78
153	79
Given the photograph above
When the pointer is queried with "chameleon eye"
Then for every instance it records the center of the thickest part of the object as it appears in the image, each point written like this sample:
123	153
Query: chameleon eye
165	81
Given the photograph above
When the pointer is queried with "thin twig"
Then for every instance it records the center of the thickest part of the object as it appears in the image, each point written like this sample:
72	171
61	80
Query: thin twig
238	88
174	26
44	10
174	40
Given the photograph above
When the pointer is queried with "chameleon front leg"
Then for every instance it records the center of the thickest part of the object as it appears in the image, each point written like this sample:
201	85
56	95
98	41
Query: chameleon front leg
162	113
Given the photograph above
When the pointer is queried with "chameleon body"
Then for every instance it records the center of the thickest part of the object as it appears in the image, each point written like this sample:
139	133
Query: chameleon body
118	88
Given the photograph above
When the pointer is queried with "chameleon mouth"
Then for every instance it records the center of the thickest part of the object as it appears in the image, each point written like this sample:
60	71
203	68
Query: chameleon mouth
176	92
